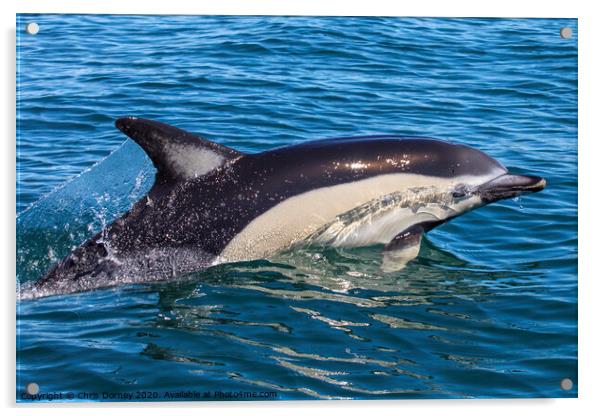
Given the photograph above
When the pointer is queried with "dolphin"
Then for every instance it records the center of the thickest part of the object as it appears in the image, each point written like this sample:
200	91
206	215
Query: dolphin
211	204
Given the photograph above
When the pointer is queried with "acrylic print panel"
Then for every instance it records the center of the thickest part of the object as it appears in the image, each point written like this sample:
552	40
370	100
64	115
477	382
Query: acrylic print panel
296	208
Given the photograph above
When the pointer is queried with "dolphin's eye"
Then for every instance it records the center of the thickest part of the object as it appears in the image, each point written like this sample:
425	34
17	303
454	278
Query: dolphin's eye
460	191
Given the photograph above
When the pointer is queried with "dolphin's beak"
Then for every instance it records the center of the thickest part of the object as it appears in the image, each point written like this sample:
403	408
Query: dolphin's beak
509	186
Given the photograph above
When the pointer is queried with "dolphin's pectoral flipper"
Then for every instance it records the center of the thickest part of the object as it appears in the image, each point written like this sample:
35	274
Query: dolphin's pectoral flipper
404	247
176	154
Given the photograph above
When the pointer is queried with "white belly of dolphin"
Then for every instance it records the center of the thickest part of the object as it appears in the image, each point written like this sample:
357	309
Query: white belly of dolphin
316	215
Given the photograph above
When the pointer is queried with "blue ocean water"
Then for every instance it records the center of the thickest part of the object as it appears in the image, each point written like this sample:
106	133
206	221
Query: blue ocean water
489	309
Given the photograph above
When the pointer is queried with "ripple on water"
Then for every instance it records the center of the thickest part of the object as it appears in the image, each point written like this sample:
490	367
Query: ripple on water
489	308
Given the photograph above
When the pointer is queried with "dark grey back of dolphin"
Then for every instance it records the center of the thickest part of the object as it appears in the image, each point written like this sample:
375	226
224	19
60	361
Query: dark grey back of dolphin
229	198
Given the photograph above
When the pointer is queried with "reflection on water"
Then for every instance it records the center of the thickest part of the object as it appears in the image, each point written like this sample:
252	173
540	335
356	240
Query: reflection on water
284	325
295	302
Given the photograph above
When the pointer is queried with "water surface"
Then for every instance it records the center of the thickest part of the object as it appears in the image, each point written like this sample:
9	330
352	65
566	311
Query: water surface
489	309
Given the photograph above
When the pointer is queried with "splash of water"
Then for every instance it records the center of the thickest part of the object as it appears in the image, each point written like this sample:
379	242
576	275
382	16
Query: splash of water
60	221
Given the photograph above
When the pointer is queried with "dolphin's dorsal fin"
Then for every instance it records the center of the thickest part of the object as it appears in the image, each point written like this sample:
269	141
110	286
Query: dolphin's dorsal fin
176	154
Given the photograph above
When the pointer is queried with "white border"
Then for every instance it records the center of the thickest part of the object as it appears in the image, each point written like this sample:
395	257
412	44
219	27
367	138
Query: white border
508	8
590	71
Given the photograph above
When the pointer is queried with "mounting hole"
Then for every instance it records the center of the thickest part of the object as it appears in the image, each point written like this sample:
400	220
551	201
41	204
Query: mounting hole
32	28
566	384
33	388
566	33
